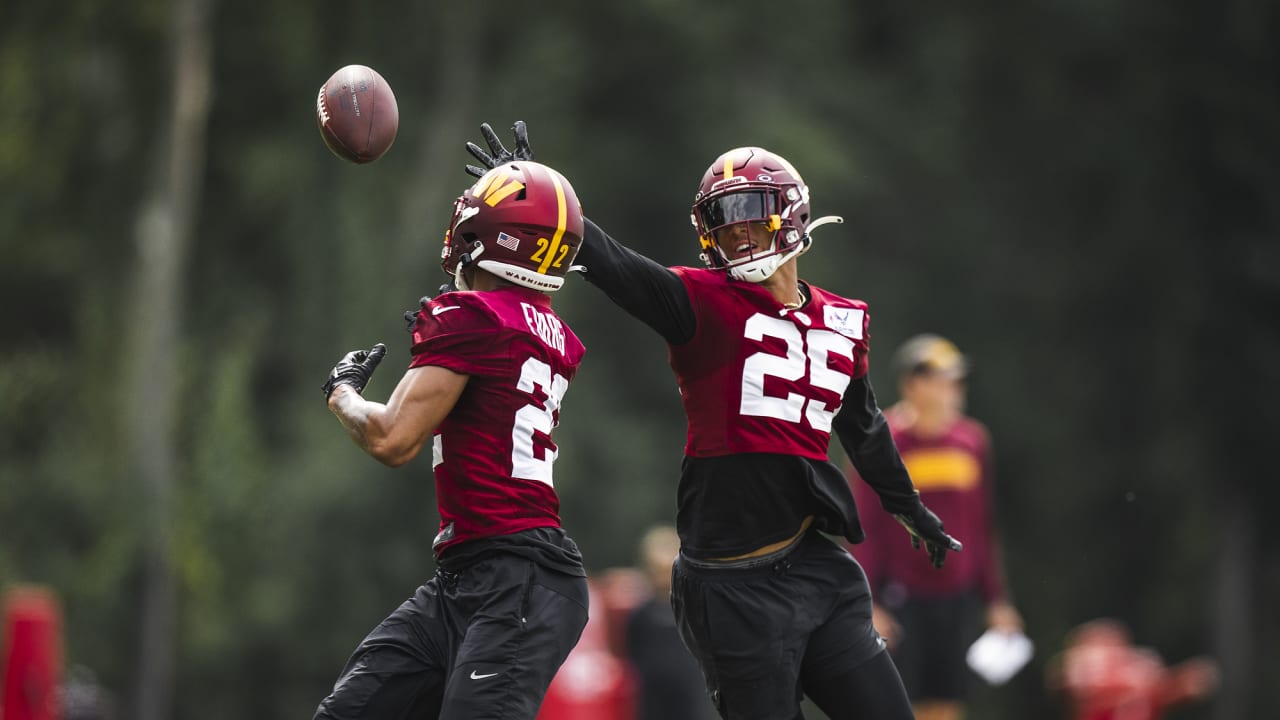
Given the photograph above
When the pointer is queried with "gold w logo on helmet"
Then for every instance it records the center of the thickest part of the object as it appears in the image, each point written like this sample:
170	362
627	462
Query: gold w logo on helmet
497	185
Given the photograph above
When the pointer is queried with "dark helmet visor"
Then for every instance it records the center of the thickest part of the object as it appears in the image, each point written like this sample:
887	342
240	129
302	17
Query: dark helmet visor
738	207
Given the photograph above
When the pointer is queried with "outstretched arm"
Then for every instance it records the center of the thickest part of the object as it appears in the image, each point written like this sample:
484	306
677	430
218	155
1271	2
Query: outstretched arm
648	291
394	433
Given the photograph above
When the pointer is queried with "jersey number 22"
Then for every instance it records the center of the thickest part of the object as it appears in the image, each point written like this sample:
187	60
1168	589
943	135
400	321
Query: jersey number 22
533	418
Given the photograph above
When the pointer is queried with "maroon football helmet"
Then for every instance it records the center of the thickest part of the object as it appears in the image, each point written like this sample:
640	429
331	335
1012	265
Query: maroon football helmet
521	221
753	185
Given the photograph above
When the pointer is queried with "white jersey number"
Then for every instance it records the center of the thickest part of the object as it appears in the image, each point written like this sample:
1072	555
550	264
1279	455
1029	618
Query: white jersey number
807	352
533	418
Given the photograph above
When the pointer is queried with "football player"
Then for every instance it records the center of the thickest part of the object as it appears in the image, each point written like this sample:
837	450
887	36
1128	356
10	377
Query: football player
768	367
491	363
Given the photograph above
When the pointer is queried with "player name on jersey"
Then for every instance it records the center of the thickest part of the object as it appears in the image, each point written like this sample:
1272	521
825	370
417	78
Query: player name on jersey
544	325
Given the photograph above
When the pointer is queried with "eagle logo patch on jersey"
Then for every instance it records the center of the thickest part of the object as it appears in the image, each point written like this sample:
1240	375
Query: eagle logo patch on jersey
846	321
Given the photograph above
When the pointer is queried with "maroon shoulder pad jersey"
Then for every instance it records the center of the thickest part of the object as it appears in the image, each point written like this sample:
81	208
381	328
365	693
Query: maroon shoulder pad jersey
759	379
493	454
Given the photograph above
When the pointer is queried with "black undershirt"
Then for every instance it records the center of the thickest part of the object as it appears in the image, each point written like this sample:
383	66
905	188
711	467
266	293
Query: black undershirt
734	504
550	547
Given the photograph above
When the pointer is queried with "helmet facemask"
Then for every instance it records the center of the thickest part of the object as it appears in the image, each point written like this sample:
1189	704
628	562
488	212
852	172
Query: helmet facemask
755	187
461	249
721	218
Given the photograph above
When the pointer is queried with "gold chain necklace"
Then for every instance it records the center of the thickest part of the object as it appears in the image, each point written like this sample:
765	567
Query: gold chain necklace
795	305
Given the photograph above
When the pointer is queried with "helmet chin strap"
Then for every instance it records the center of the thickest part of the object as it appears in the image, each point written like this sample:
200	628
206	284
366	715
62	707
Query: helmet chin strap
467	258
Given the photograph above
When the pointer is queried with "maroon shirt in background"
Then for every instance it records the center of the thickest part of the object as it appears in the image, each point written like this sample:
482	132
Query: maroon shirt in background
493	454
952	472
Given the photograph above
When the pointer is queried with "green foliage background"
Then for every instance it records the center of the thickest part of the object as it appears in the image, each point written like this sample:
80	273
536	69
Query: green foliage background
1082	195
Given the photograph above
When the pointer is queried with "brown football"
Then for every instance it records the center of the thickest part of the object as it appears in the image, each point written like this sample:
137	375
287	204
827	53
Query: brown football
357	114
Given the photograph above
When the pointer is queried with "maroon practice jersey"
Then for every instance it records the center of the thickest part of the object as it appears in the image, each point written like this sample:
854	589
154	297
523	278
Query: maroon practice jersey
757	378
493	454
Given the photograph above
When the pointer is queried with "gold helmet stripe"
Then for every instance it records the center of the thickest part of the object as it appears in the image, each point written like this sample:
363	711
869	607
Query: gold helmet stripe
562	221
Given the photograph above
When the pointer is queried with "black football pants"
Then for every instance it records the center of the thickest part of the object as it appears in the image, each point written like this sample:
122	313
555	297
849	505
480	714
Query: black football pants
767	633
484	642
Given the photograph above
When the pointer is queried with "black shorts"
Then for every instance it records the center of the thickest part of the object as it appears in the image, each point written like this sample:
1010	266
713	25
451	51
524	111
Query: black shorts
761	633
483	642
935	635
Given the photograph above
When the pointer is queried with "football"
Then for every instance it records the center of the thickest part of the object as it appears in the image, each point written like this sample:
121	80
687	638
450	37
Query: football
357	114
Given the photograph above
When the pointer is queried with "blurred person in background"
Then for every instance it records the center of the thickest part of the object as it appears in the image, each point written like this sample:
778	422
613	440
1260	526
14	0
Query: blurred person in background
1103	676
769	367
490	364
670	686
930	617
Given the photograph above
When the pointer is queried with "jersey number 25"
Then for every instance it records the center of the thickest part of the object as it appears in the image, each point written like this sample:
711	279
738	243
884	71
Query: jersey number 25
807	352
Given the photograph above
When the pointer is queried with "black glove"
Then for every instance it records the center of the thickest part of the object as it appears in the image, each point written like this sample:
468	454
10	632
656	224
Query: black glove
354	369
925	527
498	153
411	316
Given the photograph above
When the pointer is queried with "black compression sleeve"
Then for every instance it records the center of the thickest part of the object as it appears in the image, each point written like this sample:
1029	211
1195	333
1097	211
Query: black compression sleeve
648	291
865	435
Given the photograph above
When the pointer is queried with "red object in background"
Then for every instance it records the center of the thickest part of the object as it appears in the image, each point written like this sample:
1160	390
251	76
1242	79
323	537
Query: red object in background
593	683
1106	677
32	659
621	590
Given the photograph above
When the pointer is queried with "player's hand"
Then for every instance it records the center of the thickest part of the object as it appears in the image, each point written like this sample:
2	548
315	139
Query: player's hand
1003	617
498	153
926	528
354	369
411	316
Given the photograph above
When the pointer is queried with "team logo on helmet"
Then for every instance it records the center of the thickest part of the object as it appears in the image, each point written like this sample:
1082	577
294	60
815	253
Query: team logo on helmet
497	185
